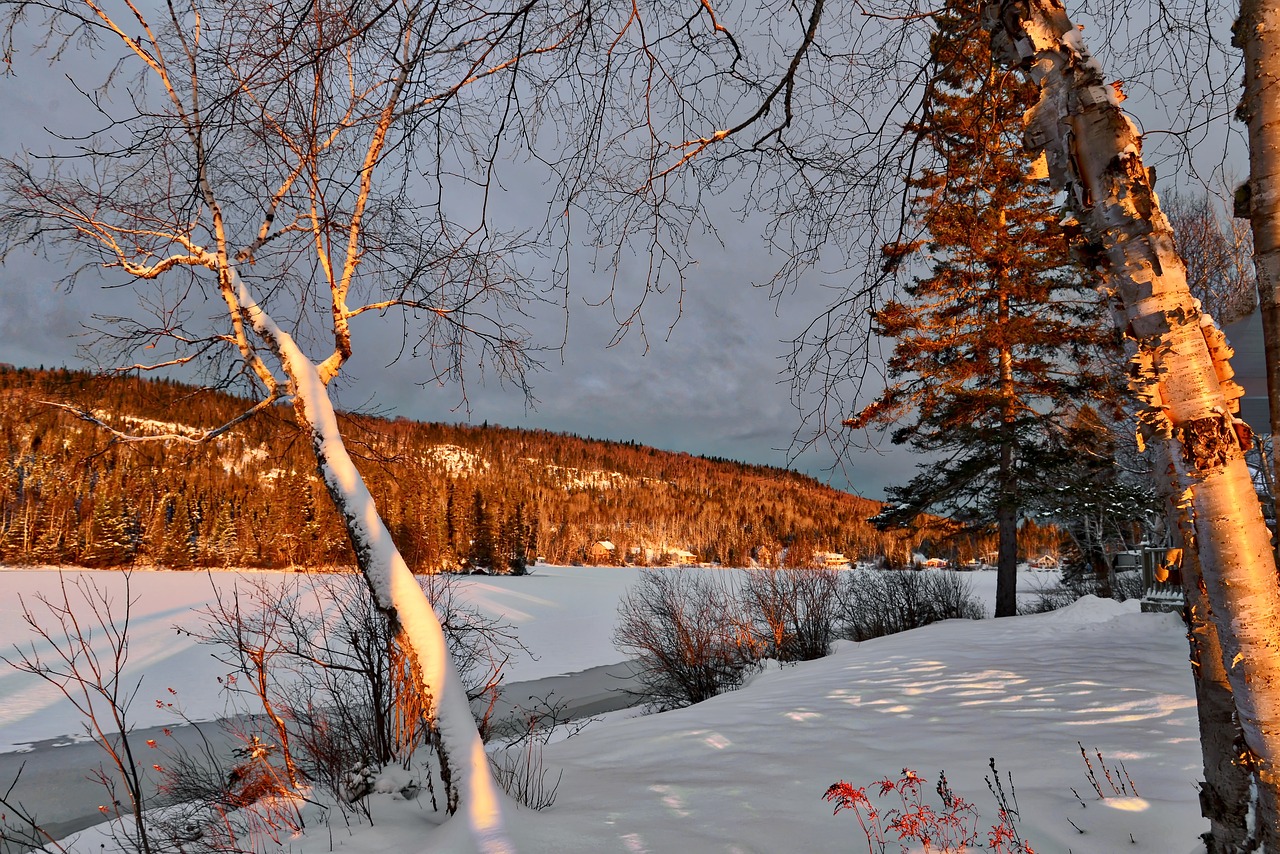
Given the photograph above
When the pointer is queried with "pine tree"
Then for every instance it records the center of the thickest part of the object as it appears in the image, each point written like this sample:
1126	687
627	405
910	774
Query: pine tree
111	540
1004	335
170	535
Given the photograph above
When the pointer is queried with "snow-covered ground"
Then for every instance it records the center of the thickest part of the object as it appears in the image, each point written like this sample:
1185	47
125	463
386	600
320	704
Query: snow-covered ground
745	772
564	615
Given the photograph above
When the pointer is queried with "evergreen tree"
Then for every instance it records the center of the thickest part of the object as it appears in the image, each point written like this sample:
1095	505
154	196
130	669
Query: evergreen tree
1004	335
170	535
516	541
483	542
50	543
15	542
458	522
224	543
112	539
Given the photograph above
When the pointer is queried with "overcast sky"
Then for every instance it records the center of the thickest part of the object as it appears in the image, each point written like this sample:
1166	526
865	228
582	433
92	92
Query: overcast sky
714	385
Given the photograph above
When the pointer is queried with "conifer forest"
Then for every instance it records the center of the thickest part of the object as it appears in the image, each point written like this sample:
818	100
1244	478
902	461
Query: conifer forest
454	497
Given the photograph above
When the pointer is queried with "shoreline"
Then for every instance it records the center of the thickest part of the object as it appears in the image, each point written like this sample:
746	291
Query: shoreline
56	786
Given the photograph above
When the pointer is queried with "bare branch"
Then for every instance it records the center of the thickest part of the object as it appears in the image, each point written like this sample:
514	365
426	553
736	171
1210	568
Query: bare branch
195	438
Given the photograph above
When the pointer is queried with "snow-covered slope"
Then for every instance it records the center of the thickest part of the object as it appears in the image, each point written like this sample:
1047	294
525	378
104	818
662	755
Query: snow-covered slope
745	772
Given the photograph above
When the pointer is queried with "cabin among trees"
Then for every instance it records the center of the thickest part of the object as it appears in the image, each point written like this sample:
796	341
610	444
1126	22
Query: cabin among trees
601	552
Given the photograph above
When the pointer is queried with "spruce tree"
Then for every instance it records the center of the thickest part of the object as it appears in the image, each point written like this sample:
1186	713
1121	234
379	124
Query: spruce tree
1004	335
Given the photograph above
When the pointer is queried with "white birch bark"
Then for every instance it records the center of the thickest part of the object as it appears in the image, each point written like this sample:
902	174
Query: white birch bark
465	765
1181	371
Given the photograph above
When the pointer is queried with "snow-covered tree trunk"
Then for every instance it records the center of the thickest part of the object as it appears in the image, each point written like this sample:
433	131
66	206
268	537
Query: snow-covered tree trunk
464	765
1181	371
1257	33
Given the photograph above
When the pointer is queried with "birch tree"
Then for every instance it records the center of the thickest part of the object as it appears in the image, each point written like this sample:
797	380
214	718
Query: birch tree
1259	199
289	170
1181	371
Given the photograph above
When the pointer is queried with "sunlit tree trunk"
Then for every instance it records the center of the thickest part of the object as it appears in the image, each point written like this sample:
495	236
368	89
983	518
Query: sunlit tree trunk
1226	788
1224	794
1225	791
464	765
1181	371
1257	33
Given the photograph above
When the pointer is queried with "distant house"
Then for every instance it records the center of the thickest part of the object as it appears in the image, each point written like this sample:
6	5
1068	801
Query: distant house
830	560
1045	562
936	563
601	551
680	557
664	555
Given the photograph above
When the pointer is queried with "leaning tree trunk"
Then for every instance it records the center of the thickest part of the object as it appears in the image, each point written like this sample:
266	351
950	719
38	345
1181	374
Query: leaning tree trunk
1257	33
464	766
1225	790
1181	370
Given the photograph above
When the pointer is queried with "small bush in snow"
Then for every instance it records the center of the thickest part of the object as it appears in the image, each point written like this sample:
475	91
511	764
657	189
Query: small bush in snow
687	635
517	763
885	602
895	813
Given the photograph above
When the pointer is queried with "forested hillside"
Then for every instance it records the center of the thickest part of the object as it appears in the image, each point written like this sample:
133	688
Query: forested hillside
452	495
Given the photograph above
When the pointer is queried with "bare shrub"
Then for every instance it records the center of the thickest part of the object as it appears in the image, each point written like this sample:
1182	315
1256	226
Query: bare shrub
878	603
794	612
517	764
1126	586
685	632
331	678
1074	585
86	631
523	777
480	645
208	808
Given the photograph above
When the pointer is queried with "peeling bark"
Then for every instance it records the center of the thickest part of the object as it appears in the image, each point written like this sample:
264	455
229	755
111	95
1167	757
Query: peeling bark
1257	34
1224	793
1226	788
1181	371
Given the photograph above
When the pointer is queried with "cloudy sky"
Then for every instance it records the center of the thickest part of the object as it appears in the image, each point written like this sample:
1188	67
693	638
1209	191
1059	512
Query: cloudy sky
714	384
711	384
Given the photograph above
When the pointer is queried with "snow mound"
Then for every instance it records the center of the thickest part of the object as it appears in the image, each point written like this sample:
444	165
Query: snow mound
1091	609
